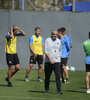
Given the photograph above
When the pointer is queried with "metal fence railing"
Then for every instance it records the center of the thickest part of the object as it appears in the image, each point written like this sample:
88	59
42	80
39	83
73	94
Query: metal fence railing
35	5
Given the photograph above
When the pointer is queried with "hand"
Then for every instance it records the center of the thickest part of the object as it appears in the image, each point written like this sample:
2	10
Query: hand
44	56
68	56
11	30
16	27
35	55
51	61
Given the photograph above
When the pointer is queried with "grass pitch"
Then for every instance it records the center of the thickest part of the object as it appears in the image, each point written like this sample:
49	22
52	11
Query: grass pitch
34	90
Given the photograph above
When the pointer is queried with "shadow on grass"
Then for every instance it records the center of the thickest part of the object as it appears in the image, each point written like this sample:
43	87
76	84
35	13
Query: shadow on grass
33	80
24	80
82	87
43	80
52	80
74	91
37	91
3	85
19	80
41	92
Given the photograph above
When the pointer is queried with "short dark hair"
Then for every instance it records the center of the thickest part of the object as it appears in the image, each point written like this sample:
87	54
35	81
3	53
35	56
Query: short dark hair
89	34
13	30
37	28
63	29
59	30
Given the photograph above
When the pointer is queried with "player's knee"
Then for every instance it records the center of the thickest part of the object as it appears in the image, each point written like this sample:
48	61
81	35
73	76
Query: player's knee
30	65
18	68
64	68
10	67
87	79
40	66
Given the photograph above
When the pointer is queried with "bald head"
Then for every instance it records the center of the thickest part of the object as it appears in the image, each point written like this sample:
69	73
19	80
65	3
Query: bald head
54	34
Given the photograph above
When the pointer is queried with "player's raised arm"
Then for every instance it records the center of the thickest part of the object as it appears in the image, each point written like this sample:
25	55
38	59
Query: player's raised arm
22	33
11	32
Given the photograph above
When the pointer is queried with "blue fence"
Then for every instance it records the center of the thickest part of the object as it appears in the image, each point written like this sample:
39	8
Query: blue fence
79	6
82	6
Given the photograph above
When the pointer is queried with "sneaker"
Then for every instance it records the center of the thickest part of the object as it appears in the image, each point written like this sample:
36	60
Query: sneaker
88	90
59	92
46	91
6	79
40	80
67	82
26	79
9	84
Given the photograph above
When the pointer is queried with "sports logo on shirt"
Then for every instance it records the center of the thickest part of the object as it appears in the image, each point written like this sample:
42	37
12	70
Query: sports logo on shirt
57	43
10	62
86	43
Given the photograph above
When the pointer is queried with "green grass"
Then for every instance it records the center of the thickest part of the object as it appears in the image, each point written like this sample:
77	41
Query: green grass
34	90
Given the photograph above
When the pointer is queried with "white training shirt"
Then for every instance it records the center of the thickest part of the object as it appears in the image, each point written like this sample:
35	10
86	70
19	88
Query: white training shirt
53	48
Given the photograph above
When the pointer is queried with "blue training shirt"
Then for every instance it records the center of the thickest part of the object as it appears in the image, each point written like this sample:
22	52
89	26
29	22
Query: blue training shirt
68	39
31	40
65	48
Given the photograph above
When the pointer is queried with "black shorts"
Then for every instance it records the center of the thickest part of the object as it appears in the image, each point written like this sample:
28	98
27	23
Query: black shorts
87	67
12	59
64	61
39	59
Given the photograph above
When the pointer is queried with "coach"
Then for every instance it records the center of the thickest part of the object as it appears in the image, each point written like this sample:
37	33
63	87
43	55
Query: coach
52	60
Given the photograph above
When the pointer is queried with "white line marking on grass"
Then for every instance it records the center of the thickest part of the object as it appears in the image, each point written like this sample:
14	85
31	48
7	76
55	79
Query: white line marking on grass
28	98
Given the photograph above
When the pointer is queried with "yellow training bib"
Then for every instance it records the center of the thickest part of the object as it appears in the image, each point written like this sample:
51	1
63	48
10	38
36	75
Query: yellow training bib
10	45
37	45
